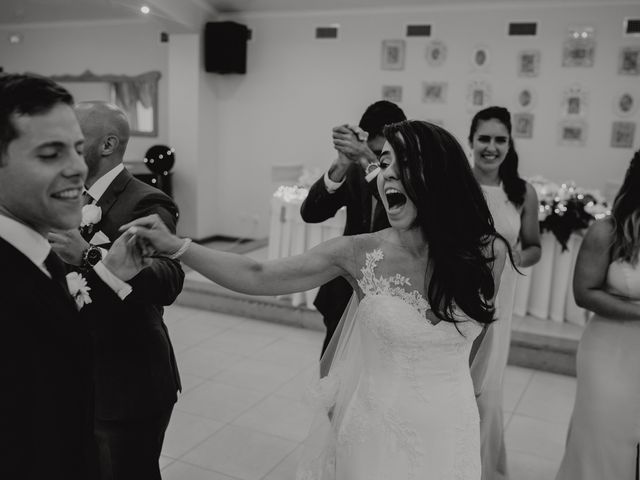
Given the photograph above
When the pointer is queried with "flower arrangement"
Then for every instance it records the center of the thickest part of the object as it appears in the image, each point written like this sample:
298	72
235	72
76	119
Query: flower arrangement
566	209
291	193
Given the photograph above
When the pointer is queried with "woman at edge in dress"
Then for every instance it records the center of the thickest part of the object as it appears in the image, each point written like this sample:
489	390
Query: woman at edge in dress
604	432
403	405
514	206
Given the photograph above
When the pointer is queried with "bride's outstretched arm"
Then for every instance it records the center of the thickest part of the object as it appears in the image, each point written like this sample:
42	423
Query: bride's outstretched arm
243	274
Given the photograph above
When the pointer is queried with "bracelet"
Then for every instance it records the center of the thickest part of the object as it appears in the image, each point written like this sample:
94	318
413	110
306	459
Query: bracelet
178	253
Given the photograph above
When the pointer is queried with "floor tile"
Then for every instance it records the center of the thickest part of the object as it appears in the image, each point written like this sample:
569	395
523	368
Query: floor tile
279	416
165	461
524	466
286	469
240	452
286	352
238	342
536	437
548	397
189	381
256	375
183	471
218	401
186	431
205	363
298	385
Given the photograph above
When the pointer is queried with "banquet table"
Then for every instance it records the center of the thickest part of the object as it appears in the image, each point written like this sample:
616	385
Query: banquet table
290	235
543	291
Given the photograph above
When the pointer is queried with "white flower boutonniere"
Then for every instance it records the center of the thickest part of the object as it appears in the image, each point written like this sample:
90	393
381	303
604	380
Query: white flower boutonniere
78	289
91	215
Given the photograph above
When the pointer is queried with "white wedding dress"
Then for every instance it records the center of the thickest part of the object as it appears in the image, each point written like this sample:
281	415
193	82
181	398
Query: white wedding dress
399	391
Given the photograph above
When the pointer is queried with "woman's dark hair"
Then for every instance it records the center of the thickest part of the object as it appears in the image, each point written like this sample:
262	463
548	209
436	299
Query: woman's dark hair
626	215
453	216
514	186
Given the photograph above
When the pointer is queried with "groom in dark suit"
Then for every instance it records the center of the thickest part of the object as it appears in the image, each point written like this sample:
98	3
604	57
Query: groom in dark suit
345	185
46	398
135	374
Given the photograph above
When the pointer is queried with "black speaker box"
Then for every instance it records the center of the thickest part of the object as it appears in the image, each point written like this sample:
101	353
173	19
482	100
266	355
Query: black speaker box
225	47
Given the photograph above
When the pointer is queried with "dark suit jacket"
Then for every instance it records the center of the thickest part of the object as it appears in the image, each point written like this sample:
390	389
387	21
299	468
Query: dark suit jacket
320	205
135	368
46	395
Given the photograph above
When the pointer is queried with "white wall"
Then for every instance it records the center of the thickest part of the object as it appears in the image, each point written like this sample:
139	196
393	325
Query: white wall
296	88
118	48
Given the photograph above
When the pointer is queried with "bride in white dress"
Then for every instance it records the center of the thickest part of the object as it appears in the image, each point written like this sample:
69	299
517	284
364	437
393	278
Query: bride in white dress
398	402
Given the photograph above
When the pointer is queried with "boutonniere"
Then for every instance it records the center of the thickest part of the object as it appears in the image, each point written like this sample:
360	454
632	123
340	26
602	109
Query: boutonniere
91	215
78	289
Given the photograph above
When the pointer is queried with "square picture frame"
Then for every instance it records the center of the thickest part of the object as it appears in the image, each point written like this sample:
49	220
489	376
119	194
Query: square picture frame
572	133
622	134
629	61
523	125
528	63
392	93
574	101
478	95
579	48
434	92
393	54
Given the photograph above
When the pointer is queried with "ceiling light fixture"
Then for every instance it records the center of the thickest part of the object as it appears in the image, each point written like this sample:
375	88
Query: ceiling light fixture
15	38
144	9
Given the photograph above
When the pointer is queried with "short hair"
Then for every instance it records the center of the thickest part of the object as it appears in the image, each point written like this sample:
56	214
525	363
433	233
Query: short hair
26	94
379	114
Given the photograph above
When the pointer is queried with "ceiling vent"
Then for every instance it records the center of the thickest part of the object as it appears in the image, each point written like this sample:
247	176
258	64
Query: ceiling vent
632	26
327	32
418	30
523	29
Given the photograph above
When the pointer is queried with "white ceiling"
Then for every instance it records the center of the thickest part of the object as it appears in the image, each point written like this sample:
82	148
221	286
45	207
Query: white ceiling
45	11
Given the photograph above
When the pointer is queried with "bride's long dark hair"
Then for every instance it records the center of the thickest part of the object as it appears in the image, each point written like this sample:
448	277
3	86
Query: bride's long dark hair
453	216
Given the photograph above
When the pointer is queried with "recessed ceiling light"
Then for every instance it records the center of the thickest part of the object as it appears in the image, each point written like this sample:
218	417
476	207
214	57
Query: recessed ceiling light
144	9
15	38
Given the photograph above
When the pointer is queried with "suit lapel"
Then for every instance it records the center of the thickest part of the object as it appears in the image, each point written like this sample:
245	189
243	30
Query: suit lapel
110	195
34	279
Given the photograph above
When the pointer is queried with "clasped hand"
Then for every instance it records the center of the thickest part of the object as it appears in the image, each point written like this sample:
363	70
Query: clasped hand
351	141
152	236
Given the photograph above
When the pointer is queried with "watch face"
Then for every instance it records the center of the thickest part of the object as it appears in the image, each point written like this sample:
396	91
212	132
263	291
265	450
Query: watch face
94	255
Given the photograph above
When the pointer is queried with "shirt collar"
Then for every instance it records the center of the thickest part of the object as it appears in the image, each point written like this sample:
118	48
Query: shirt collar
25	239
100	186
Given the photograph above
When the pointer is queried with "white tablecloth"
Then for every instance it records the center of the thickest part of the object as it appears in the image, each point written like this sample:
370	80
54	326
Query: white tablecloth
545	291
290	235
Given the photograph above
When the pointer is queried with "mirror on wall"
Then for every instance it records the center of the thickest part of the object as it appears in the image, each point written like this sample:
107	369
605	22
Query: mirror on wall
137	95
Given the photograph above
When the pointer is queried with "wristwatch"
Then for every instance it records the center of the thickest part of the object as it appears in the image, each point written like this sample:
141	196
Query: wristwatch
91	256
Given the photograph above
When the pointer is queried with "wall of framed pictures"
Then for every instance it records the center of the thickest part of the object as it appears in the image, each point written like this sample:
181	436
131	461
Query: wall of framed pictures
574	100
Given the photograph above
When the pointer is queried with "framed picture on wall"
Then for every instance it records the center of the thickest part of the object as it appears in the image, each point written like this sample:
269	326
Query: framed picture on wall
392	93
436	53
573	133
480	58
622	134
579	47
629	61
574	101
478	95
523	125
434	92
393	52
526	99
625	104
529	63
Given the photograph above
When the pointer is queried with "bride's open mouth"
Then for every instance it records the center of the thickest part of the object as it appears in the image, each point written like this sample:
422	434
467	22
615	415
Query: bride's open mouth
395	199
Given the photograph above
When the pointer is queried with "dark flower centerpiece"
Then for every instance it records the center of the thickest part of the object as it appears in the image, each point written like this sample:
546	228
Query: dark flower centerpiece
565	209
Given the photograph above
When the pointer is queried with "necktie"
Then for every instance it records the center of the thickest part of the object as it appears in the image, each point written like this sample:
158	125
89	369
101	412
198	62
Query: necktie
86	198
56	269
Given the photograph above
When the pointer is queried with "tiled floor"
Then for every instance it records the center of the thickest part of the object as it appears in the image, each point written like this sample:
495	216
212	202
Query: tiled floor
241	416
